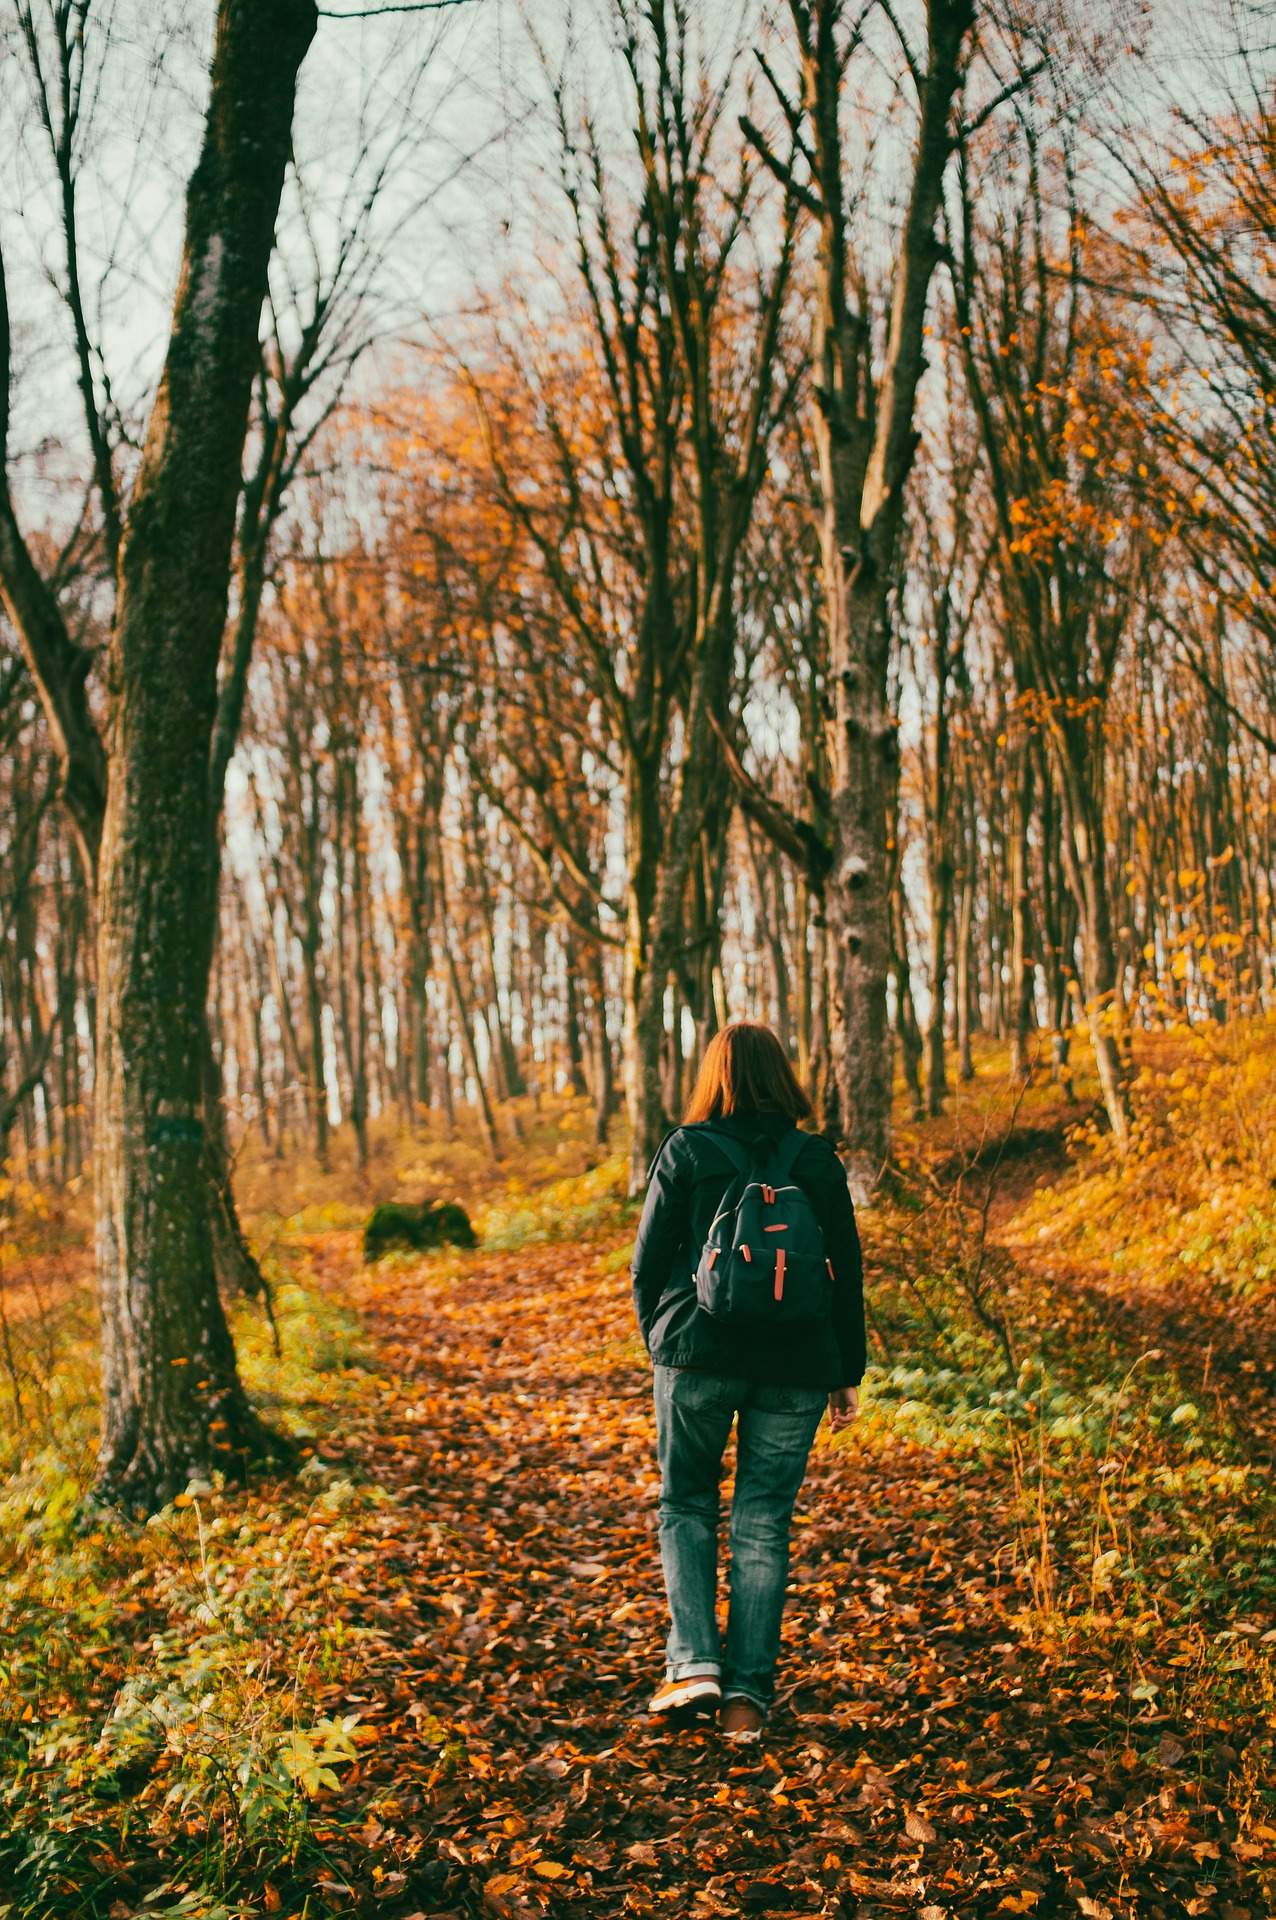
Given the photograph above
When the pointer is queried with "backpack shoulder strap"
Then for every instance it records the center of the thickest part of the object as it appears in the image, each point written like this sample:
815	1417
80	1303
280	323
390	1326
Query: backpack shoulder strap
787	1151
737	1154
659	1150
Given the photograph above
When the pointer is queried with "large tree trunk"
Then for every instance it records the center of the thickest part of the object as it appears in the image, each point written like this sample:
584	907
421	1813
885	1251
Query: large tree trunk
866	440
173	1404
858	900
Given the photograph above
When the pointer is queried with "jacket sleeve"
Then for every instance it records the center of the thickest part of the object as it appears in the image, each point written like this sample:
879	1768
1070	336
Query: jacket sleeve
842	1243
661	1231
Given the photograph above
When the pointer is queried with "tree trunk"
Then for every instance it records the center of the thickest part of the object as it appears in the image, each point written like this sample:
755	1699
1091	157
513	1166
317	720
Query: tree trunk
573	1049
866	440
963	933
644	994
172	1402
644	1034
1022	965
910	1034
940	900
604	1079
805	988
857	898
465	1015
1084	864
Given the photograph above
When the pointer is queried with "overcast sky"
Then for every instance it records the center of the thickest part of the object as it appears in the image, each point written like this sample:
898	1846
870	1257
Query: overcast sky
453	104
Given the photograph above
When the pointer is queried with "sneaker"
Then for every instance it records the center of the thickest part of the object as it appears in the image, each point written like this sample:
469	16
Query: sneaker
697	1690
741	1719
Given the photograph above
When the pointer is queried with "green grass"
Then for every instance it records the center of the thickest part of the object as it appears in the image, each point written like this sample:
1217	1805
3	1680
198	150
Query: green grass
162	1720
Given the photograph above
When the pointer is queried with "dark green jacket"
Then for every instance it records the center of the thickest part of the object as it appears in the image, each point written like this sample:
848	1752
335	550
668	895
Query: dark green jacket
689	1176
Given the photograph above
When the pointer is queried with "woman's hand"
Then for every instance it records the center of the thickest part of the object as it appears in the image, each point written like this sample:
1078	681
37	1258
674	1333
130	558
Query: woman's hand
844	1404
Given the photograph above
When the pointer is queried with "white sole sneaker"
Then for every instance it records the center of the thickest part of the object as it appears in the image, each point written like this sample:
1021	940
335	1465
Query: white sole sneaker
700	1688
741	1736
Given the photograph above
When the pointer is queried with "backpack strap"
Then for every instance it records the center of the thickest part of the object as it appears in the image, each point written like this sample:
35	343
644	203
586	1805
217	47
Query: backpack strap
726	1144
740	1155
659	1150
787	1151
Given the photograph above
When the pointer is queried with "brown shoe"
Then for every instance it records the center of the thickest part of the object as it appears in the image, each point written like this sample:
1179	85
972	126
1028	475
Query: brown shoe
702	1690
741	1719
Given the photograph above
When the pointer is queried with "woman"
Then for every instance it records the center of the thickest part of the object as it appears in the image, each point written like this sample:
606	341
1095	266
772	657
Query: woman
708	1371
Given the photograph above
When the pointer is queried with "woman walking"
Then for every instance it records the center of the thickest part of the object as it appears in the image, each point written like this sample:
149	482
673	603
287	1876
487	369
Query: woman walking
712	1366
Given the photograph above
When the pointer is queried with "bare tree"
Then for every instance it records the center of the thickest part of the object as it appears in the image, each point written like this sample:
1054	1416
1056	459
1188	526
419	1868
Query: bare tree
866	439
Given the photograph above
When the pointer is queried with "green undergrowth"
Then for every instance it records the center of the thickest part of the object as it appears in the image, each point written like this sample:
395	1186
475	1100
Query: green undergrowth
578	1208
172	1723
1046	1330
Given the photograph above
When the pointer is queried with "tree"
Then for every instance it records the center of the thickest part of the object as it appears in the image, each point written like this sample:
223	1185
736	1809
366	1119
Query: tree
140	792
1073	556
863	424
641	538
947	566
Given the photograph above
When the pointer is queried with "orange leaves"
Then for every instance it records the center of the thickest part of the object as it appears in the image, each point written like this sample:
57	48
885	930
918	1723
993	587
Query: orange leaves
475	1555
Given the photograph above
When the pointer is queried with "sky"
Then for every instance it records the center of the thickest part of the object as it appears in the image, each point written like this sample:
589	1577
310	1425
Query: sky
453	104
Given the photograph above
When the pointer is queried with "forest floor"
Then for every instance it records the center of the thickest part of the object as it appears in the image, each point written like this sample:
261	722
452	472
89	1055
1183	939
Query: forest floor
1027	1660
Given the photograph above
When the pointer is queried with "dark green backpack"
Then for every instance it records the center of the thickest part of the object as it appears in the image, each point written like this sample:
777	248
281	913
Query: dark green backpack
763	1263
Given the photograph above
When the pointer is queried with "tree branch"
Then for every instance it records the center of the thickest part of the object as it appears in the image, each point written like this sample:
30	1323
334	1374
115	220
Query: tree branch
58	666
793	835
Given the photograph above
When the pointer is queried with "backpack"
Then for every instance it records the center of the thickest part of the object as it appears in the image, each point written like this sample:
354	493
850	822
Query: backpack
763	1263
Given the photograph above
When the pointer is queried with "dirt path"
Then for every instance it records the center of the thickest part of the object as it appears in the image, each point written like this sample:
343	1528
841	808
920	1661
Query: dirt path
920	1760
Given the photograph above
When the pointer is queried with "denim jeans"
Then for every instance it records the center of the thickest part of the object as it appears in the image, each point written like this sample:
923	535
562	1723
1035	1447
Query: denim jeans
777	1425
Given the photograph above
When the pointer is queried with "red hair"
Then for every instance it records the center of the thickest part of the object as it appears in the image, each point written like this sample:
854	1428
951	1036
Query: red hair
746	1070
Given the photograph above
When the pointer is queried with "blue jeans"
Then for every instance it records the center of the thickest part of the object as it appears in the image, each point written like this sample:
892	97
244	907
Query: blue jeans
694	1412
